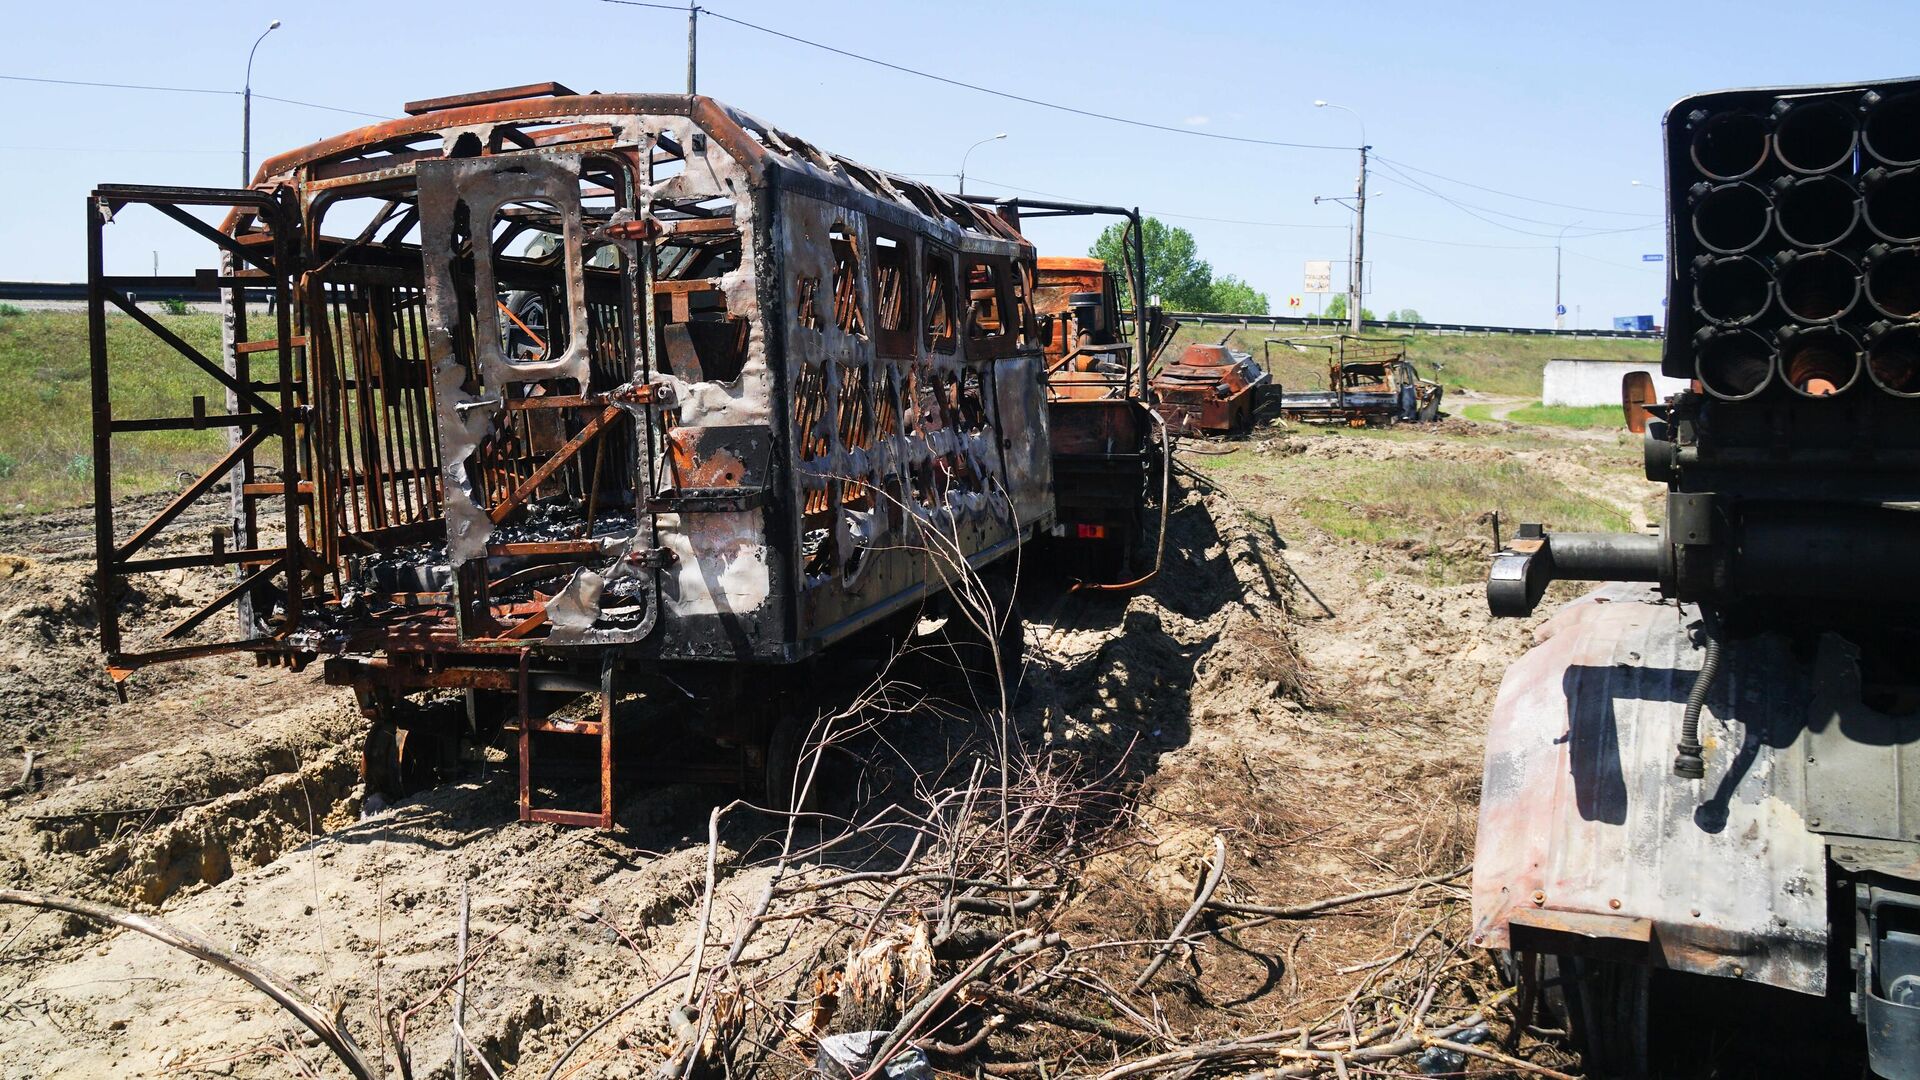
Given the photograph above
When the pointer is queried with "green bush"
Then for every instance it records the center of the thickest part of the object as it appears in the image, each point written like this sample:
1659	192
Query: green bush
173	305
11	309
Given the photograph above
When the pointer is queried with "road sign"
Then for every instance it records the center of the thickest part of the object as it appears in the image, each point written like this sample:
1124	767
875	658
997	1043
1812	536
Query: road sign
1295	303
1319	276
1560	309
1653	258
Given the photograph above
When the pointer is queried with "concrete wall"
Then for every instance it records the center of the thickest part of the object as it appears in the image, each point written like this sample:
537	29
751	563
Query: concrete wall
1597	382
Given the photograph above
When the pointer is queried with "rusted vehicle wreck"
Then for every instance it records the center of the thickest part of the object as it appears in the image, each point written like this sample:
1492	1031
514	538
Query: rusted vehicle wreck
566	398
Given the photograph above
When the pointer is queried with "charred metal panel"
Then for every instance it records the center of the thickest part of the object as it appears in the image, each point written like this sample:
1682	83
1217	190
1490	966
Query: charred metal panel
1581	812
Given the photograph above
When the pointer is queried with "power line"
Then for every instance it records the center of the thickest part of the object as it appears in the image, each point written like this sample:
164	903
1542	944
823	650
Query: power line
1474	212
109	150
989	90
1150	210
1511	195
185	90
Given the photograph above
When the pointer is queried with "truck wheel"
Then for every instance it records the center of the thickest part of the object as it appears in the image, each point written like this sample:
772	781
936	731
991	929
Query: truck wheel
1602	1004
791	758
972	648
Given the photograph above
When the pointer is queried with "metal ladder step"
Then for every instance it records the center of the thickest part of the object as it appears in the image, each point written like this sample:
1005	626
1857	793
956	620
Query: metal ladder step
601	728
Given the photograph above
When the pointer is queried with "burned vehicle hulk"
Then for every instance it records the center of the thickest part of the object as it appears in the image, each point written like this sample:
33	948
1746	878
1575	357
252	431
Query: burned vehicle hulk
1368	383
1108	444
1709	768
568	398
1210	390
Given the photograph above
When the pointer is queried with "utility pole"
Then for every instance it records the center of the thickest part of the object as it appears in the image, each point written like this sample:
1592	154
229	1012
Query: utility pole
246	109
693	43
1559	309
1358	288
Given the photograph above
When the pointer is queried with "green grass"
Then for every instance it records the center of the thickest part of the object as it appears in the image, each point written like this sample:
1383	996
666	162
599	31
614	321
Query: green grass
1597	417
46	415
1425	506
1574	416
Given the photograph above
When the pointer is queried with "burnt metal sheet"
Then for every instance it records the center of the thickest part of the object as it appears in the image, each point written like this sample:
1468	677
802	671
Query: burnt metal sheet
1581	812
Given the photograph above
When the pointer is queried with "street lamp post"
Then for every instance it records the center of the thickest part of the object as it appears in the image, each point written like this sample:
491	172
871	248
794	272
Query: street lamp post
246	109
1559	309
1358	267
969	153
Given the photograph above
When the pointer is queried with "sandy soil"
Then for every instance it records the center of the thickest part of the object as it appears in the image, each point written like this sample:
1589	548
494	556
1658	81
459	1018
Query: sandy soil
1306	698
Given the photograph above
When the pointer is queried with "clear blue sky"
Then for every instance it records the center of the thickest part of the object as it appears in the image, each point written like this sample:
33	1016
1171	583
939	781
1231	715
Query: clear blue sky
1556	102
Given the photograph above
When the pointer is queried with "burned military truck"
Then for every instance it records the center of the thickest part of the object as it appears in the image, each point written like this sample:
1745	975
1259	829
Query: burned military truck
562	395
1709	768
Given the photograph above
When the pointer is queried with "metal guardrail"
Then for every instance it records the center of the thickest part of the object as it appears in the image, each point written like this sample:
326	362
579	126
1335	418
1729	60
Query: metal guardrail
77	292
1206	317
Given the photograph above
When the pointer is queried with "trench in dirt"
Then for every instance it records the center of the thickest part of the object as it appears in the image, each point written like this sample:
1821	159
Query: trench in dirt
1220	702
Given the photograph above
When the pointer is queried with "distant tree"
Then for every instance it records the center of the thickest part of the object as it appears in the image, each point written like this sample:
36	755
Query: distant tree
1408	315
1337	309
1235	297
1175	272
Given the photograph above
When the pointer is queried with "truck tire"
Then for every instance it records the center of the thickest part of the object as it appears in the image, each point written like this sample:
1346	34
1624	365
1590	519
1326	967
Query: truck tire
1601	1003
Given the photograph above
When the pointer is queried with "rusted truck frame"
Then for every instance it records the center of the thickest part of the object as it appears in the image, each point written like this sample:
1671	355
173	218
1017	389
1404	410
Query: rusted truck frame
1368	383
778	399
1714	771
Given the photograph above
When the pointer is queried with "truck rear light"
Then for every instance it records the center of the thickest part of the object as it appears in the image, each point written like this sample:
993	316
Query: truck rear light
1090	532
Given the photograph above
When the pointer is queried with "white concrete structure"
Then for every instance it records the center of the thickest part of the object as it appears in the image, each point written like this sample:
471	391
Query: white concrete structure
1597	382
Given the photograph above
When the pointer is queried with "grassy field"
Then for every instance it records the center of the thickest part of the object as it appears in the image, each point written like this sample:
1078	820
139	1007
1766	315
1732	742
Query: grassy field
1504	364
46	414
46	452
1573	416
1425	500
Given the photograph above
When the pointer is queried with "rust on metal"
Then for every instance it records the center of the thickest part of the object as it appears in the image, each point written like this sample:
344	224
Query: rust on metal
550	376
1210	390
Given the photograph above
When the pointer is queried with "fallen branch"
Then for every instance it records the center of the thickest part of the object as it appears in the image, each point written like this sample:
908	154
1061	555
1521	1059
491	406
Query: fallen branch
258	977
981	994
25	783
1494	1055
1199	902
1317	906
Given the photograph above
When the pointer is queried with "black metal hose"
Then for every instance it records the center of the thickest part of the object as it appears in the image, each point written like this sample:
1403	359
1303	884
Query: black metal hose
1689	762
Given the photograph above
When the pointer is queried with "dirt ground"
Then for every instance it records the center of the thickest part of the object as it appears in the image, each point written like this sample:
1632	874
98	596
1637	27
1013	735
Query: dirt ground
1312	703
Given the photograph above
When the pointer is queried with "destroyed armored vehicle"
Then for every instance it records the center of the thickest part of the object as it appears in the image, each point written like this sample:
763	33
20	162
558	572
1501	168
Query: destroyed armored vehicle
1706	775
566	398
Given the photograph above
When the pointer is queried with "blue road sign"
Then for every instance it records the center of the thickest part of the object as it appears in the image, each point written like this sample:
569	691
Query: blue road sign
1560	309
1653	258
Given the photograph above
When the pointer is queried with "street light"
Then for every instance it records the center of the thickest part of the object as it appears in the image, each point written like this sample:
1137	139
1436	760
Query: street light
969	153
1357	267
246	109
1560	311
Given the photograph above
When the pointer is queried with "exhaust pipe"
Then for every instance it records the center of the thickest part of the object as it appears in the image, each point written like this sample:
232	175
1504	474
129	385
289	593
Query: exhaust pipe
1893	359
1728	145
1893	280
1892	132
1730	218
1813	135
1732	365
1732	290
1815	211
1817	286
1893	204
1819	363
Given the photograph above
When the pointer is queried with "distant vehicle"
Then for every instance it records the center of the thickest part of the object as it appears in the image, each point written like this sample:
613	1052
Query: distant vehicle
1370	383
1210	390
